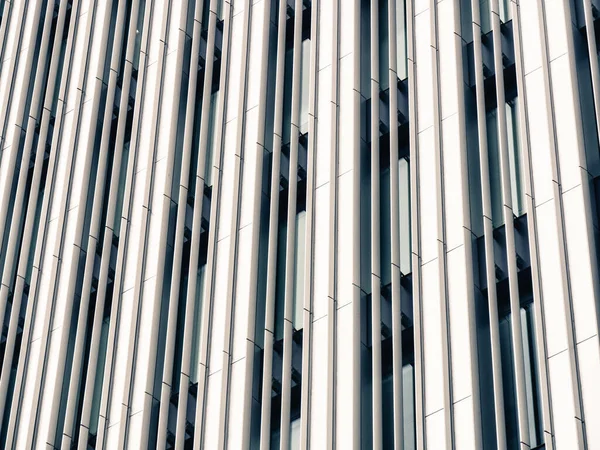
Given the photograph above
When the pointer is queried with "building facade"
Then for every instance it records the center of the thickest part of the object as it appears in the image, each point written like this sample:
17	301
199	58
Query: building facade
300	224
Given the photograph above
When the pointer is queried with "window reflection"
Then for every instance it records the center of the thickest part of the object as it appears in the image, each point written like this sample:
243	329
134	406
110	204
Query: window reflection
514	159
210	151
533	412
514	163
287	96
494	168
484	14
304	79
195	358
384	45
504	12
295	434
531	373
401	41
299	270
98	381
404	189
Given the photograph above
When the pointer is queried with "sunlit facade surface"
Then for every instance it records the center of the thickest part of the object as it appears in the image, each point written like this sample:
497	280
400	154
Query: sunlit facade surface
299	224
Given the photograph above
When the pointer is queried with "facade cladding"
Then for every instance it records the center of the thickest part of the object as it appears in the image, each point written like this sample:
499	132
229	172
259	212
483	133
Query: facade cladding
300	224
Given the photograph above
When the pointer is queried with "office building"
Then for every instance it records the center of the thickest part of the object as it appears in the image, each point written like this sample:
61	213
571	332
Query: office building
300	224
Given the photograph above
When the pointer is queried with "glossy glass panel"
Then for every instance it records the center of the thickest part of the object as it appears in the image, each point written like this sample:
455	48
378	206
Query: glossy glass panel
384	37
385	236
408	407
197	327
299	255
494	168
505	10
280	281
401	41
98	379
508	383
405	237
484	14
295	434
433	348
515	159
304	78
210	150
534	414
287	96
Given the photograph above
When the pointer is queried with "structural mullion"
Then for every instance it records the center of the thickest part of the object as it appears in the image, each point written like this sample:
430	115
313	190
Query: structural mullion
7	9
290	251
488	236
207	303
438	143
375	218
198	202
29	223
78	353
396	299
252	295
532	229
265	429
240	143
9	150
95	94
11	260
333	225
175	294
575	385
57	142
307	339
147	201
125	213
162	195
415	225
593	58
5	102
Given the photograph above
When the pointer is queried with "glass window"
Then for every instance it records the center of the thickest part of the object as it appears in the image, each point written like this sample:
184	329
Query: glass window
514	159
138	35
484	15
287	96
295	434
275	439
384	52
509	382
210	151
484	360
197	326
494	168
514	164
220	9
68	365
280	281
34	235
408	407
531	371
121	189
401	49
505	14
99	377
385	255
304	79
387	418
299	270
466	19
404	198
